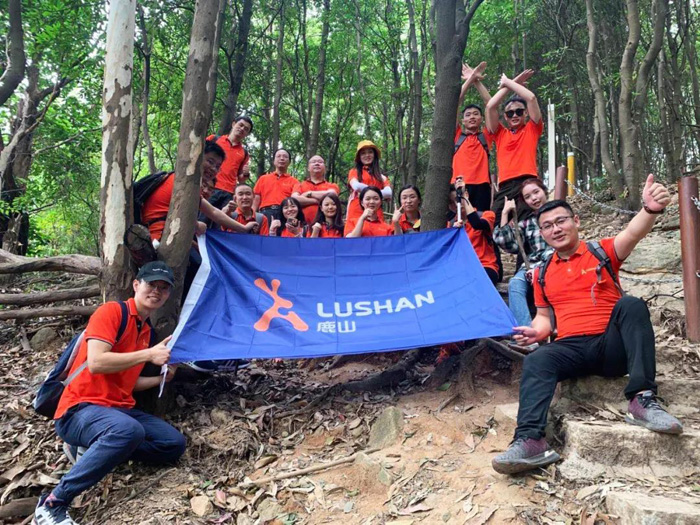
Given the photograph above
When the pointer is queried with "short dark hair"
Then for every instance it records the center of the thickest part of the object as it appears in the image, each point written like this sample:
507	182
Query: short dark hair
242	185
246	118
212	147
282	149
473	106
552	205
410	187
515	98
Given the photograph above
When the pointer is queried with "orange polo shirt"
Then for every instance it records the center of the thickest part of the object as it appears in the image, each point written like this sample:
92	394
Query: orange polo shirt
227	178
470	161
354	208
516	153
581	306
370	228
482	242
108	390
155	209
407	226
273	188
309	185
264	227
326	232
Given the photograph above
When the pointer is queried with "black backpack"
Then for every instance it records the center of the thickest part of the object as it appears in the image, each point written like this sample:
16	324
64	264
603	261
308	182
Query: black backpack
49	392
597	250
143	189
480	136
258	217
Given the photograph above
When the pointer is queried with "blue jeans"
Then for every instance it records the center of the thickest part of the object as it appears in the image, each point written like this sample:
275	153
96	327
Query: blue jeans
112	436
517	298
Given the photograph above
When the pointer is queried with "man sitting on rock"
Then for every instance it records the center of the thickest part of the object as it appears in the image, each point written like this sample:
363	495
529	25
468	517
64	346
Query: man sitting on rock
600	331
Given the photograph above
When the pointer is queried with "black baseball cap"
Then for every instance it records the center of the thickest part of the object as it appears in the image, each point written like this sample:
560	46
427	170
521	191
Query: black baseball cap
156	271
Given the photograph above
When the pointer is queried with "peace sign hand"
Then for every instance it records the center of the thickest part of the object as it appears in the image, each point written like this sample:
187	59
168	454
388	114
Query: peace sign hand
397	214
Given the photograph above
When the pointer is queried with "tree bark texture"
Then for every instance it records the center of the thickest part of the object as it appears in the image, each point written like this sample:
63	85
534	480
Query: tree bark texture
16	59
278	84
145	95
197	98
82	264
451	40
116	203
417	68
236	62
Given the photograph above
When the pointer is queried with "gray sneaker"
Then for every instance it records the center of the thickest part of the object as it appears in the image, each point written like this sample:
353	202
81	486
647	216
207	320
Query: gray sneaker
645	411
52	512
524	454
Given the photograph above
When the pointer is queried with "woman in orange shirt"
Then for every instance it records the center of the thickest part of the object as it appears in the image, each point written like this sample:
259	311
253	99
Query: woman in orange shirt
328	222
293	223
370	223
406	219
366	173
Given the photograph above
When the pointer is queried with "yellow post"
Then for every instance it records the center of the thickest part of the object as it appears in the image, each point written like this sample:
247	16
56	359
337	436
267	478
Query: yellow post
572	174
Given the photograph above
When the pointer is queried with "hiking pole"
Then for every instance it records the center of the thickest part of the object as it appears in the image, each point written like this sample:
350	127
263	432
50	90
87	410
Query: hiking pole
460	196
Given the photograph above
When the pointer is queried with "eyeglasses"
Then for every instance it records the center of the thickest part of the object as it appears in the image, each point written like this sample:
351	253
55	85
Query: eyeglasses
512	112
559	222
162	288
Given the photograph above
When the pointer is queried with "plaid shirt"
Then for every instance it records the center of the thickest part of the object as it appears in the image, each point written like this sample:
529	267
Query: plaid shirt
536	248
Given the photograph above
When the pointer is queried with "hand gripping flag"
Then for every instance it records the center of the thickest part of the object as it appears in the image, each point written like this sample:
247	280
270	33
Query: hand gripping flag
264	297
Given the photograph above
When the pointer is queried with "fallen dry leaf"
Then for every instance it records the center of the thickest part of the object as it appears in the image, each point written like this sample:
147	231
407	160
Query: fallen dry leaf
412	509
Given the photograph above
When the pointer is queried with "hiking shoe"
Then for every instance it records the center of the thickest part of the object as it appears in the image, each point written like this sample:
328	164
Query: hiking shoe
524	454
644	410
73	453
51	511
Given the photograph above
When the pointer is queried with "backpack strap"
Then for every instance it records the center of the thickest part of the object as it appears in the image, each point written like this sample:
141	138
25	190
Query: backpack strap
540	276
597	250
460	140
259	218
120	332
484	144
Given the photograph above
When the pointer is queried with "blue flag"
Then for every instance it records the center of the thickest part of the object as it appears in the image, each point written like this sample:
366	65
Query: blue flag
265	297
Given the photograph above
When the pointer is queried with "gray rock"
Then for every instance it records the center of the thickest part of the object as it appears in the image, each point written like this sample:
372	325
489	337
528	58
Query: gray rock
269	509
387	428
43	338
655	254
642	509
619	449
373	469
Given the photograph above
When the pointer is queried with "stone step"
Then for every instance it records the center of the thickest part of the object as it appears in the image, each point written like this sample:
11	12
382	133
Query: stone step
682	396
618	449
635	508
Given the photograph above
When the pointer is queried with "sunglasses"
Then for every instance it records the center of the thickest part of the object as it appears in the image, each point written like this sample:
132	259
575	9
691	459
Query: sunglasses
512	112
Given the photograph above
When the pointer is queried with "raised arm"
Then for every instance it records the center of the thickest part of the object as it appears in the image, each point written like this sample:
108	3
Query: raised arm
220	218
655	198
492	105
533	107
472	77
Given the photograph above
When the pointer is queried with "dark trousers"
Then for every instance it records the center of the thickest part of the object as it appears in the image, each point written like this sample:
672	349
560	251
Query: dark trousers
511	189
480	195
272	213
626	347
113	436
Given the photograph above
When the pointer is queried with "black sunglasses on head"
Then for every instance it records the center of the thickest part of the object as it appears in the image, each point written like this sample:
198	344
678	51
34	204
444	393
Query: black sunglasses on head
512	112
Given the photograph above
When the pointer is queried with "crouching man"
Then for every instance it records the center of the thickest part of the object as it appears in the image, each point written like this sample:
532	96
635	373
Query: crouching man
96	410
600	331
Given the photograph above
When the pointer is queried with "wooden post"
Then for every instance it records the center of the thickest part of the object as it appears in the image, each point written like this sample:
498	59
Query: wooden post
570	163
560	184
690	253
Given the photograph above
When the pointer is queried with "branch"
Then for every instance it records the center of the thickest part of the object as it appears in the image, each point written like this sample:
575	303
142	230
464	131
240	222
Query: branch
54	311
82	264
651	54
17	60
66	141
23	299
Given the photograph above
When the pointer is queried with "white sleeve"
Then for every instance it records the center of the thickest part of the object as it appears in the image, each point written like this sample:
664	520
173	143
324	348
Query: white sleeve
386	192
357	185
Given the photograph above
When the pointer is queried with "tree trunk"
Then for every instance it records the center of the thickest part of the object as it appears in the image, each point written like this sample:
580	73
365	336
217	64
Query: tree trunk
145	95
82	264
417	69
607	154
312	144
237	69
16	59
116	203
278	84
691	57
450	44
360	80
197	98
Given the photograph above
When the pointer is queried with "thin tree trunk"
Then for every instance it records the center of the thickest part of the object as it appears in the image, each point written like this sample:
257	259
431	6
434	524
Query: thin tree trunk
691	57
360	79
16	59
417	96
116	202
197	99
237	71
312	144
146	50
450	44
278	84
